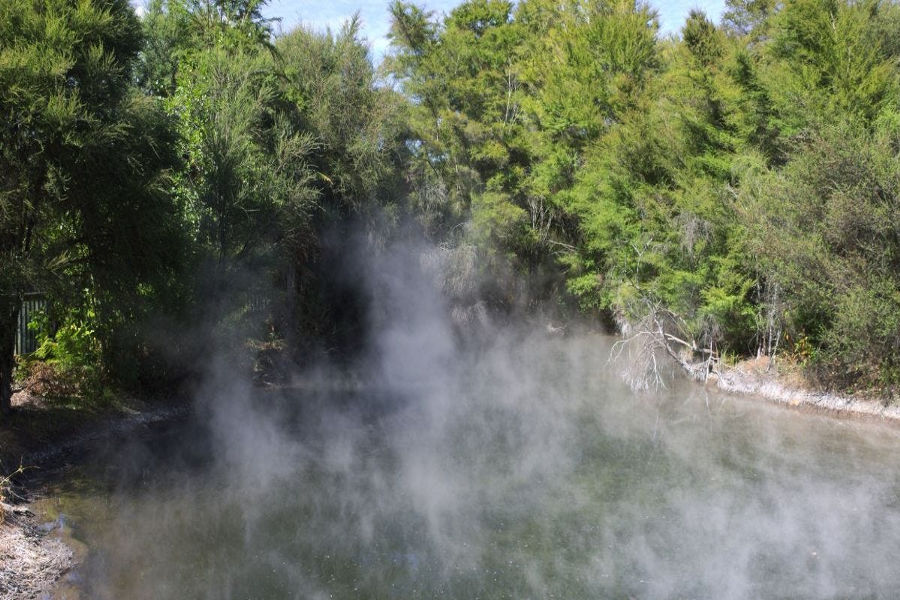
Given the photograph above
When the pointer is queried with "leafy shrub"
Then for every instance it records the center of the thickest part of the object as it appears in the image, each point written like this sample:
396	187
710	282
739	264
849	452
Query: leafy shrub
68	360
825	228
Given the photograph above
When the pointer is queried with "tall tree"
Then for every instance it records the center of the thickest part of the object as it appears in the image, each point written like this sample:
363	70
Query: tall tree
65	70
505	101
281	139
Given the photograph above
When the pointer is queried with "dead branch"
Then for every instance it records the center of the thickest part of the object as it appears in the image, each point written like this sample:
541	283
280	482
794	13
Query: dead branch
660	332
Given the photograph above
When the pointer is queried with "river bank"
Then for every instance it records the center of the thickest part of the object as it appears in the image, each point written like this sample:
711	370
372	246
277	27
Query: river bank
33	556
43	438
756	379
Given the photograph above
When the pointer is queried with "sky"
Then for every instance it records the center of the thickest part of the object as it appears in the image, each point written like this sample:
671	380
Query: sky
320	14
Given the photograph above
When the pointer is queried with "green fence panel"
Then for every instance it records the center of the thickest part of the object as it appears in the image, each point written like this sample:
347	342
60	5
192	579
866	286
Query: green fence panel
26	340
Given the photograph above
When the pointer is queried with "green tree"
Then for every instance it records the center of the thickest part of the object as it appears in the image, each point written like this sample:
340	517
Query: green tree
825	228
173	29
749	18
75	187
829	62
281	140
505	103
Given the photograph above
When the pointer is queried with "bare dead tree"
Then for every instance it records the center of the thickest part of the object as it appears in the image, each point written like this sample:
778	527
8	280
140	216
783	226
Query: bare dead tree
659	339
770	319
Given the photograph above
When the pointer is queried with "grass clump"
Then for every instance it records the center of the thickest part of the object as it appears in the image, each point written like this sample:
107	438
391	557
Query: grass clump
6	492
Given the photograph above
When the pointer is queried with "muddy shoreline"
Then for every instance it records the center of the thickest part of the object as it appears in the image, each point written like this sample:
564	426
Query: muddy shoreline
36	555
33	555
750	381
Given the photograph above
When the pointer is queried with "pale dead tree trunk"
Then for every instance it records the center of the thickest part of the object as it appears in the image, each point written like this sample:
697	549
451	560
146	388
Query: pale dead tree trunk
541	217
773	326
769	339
512	108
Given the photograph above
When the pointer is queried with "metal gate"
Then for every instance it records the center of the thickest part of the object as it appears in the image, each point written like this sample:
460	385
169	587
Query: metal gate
26	339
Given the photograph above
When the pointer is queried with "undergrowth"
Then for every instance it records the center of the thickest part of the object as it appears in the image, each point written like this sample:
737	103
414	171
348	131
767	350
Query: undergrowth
6	492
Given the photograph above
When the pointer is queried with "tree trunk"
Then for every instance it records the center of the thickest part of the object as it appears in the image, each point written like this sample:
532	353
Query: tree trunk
9	321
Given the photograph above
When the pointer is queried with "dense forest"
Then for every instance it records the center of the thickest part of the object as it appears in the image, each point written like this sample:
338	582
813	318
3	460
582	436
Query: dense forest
188	176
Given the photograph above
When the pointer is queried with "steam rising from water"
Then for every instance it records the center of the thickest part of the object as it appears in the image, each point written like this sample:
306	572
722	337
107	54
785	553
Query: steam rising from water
524	469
